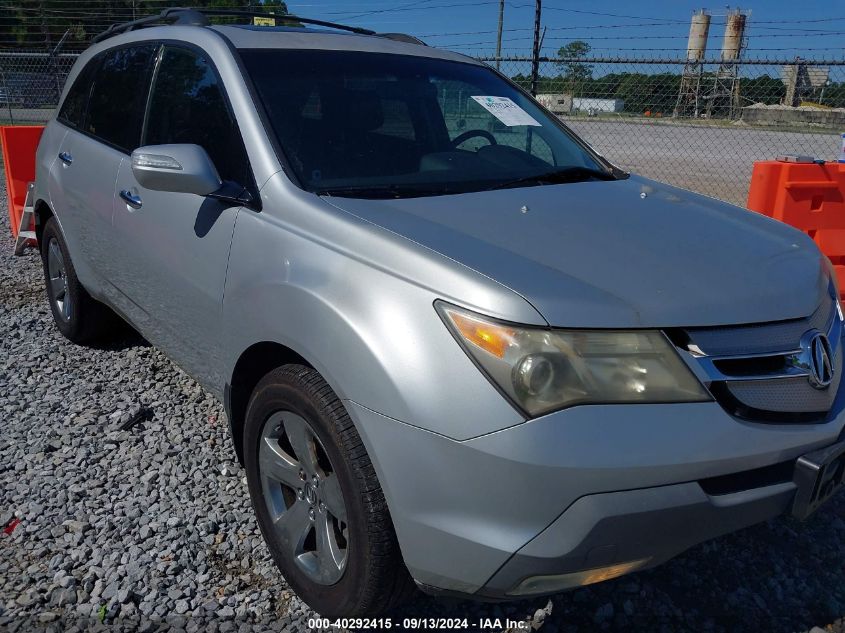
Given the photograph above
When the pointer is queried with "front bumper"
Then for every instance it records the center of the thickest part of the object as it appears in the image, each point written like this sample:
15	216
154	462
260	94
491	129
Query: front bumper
641	527
578	489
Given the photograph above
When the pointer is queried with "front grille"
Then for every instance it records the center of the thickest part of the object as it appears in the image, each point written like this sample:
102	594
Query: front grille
762	338
788	395
754	370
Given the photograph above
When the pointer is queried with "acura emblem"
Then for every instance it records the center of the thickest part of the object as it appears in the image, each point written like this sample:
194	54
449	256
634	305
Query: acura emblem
820	361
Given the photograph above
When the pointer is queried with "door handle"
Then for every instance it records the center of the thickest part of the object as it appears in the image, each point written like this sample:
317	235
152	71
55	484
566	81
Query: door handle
132	201
66	158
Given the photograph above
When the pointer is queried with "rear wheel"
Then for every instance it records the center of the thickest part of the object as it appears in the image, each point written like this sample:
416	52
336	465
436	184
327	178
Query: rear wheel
318	501
77	315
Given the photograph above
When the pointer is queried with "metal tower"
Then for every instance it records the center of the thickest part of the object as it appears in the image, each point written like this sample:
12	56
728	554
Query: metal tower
723	97
689	96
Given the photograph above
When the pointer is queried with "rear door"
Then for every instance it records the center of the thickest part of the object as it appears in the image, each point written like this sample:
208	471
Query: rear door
104	112
174	247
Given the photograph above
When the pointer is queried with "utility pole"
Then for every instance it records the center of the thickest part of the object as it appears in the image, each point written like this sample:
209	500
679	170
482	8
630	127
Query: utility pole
45	30
499	36
535	57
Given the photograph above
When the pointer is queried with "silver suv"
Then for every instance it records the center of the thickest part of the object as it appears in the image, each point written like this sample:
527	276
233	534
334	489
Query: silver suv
458	349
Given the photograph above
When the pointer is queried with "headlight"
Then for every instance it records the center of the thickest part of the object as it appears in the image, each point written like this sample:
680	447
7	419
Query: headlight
544	369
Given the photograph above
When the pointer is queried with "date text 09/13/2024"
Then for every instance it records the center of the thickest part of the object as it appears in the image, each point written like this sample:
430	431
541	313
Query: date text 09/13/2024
480	624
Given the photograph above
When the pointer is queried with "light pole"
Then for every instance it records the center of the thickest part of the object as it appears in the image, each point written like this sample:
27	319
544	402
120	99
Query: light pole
499	36
535	58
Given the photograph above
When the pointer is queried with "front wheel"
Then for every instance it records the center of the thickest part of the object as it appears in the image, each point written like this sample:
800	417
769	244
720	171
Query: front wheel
317	499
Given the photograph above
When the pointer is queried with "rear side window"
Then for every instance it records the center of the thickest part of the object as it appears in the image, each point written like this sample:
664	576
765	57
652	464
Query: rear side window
76	101
116	104
187	105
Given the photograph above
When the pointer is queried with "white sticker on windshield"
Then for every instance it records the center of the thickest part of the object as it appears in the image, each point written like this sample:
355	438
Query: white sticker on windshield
506	111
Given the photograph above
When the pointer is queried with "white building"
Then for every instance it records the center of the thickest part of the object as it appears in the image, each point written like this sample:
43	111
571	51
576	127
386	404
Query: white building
586	104
556	103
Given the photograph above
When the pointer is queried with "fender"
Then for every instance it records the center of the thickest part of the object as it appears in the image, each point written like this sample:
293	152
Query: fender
375	338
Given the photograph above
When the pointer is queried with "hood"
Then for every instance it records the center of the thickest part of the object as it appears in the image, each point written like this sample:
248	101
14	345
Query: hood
625	253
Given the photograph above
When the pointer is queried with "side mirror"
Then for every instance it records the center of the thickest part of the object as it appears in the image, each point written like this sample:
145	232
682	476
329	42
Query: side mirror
179	168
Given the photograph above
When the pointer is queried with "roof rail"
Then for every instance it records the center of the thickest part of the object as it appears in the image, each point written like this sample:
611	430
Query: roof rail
199	17
189	17
402	37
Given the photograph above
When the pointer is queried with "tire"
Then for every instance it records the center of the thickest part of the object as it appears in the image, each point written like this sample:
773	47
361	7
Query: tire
339	554
78	316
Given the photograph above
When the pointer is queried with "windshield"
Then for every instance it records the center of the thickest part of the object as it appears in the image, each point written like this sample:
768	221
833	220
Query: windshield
379	125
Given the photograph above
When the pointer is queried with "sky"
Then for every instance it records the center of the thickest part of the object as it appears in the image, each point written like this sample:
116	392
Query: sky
781	29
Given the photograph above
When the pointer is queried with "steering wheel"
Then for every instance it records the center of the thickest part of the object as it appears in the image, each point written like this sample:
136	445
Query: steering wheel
462	138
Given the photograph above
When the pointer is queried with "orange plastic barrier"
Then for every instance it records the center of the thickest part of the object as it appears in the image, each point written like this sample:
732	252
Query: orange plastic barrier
808	196
19	143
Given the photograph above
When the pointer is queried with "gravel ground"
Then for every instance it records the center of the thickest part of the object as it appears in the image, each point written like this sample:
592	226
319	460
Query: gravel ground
124	507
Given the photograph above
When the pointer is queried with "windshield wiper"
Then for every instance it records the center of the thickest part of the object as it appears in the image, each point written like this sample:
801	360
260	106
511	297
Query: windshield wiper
389	191
558	176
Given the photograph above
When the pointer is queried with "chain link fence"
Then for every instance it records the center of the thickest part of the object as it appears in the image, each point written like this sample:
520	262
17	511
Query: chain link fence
31	83
696	125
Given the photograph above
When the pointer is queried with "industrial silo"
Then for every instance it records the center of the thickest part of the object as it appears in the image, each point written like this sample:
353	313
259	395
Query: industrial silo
688	102
734	32
698	30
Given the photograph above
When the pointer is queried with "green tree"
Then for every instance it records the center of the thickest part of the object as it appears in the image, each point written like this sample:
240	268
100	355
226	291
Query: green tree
764	89
40	24
574	72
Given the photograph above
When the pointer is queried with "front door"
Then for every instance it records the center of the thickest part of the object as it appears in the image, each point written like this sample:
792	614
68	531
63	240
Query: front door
174	247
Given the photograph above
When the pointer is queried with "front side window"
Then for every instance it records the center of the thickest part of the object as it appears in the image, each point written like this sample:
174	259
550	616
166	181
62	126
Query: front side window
379	125
187	105
118	97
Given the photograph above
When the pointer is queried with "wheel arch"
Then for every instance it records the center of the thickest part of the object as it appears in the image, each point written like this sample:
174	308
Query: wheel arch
252	365
43	213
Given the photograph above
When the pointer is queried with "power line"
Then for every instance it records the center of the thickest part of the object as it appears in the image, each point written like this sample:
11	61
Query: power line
592	38
550	28
617	26
612	15
412	6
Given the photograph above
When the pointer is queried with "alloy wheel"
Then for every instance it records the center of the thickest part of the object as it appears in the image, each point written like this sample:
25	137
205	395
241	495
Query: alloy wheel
57	274
303	497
